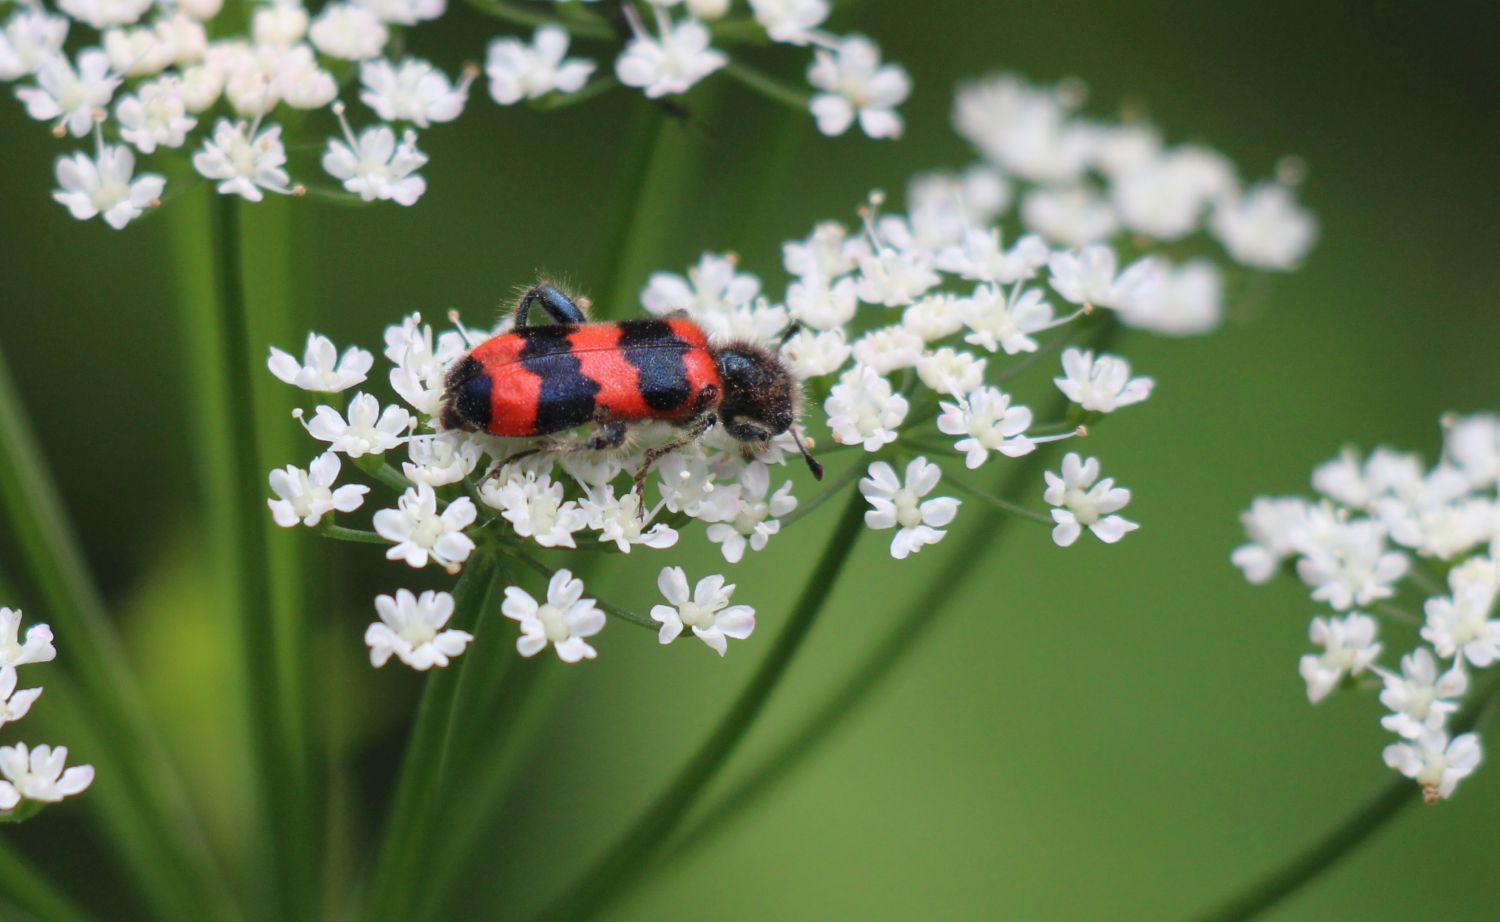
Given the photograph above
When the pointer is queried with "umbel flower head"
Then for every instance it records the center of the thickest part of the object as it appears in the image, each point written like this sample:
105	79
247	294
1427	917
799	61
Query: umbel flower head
33	774
900	333
1404	543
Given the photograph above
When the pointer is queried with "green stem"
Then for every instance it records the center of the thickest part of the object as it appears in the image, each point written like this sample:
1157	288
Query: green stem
1345	837
518	14
610	608
179	870
283	794
596	87
898	643
828	492
358	535
613	873
409	832
769	86
1000	503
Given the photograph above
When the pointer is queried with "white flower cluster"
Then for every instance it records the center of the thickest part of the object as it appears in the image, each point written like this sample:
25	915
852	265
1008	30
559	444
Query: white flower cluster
1388	538
39	774
672	52
149	81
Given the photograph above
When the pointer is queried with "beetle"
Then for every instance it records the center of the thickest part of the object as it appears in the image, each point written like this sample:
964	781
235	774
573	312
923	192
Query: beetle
543	379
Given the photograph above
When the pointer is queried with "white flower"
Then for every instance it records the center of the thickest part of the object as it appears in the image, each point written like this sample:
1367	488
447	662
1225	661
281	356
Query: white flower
1000	321
420	532
1189	300
533	504
14	704
619	519
101	14
411	627
322	368
420	366
39	774
368	431
895	277
564	620
712	286
72	98
856	85
897	505
827	252
1460	625
1437	764
888	349
1472	444
936	316
307	496
978	256
1349	564
1071	215
299	82
1439	529
343	30
687	486
519	71
707	610
863	409
759	321
245	161
990	424
201	88
1101	384
1386	472
374	166
1349	647
1025	130
1165	196
103	186
1087	276
411	90
821	304
155	116
136	52
1265	228
282	23
37	648
757	517
9	796
670	64
441	459
29	37
950	371
405	12
814	353
790	21
1420	698
1085	504
1272	524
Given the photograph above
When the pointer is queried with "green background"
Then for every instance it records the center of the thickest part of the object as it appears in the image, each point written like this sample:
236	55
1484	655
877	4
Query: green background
1088	733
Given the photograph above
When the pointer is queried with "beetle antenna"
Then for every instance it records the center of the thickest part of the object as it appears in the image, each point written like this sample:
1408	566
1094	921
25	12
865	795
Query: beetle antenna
812	463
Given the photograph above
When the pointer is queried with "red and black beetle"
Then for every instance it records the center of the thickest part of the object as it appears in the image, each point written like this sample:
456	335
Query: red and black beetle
543	379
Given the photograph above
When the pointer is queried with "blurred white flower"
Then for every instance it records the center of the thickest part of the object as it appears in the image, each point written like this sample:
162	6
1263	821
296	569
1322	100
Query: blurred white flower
1265	228
951	371
1071	215
1025	130
36	648
863	409
420	532
72	98
101	14
1101	384
706	610
306	496
347	31
563	620
155	115
534	506
29	37
936	316
1420	698
411	628
899	505
1435	762
997	320
1472	444
888	349
792	22
1460	625
14	704
245	160
373	166
1082	503
280	23
1189	300
856	85
1272	524
1087	276
322	368
441	459
714	285
411	90
520	71
1350	564
814	353
1349	647
979	256
670	63
757	517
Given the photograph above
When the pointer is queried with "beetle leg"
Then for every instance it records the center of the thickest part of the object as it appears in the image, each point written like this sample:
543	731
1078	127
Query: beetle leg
695	430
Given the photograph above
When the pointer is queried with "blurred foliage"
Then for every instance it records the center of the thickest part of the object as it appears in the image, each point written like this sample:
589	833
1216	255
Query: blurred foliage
1097	732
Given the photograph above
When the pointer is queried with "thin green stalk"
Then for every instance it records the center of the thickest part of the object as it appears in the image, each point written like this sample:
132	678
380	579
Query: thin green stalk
26	888
1344	838
828	492
181	871
613	873
898	643
769	86
1004	505
519	14
410	831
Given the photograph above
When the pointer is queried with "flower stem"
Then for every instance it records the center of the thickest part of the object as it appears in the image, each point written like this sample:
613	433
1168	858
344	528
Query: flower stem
395	884
896	645
519	14
1344	838
768	86
613	873
1000	503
